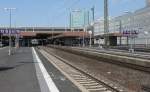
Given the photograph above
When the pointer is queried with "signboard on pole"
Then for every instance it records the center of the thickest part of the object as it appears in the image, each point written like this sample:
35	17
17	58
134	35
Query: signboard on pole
130	33
11	31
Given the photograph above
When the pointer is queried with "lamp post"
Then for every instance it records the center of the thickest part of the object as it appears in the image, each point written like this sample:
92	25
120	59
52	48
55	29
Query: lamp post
10	16
90	32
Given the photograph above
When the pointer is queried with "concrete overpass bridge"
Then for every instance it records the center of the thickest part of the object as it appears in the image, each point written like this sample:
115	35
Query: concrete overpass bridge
55	35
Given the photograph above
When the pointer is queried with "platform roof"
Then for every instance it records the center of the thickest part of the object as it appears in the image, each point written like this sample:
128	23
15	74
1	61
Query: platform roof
35	33
110	34
72	34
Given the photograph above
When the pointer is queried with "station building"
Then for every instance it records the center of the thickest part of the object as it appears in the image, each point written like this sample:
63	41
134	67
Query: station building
130	28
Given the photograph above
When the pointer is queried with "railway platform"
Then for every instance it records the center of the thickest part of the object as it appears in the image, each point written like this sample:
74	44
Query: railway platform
136	54
137	58
27	71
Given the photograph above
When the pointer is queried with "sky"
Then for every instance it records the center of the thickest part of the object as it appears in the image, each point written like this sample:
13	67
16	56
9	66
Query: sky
45	13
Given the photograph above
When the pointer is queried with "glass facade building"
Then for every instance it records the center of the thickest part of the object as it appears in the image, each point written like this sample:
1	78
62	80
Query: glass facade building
138	21
79	18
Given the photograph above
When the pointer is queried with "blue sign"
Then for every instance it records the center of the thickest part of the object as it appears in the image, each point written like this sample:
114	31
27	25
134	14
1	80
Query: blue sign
7	31
131	33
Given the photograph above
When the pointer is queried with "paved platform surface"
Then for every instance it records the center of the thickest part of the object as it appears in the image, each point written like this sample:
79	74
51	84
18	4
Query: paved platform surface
136	54
137	58
62	83
23	75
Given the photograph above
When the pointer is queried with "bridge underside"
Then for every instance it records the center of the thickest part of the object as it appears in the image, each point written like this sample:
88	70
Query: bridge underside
57	38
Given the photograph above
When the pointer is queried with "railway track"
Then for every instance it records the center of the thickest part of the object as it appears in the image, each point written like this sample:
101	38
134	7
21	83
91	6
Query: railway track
87	82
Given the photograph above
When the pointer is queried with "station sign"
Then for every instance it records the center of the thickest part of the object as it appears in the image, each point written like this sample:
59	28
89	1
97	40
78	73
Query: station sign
11	31
130	33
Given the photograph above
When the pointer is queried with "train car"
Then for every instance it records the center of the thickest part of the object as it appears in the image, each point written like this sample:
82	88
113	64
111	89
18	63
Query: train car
34	42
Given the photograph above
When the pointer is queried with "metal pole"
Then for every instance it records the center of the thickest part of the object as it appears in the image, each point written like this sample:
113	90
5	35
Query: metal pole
16	39
106	23
120	29
84	29
83	44
93	17
79	41
131	36
93	13
9	33
1	37
90	40
131	47
10	12
127	41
